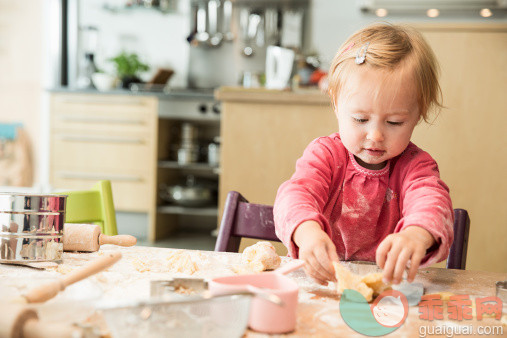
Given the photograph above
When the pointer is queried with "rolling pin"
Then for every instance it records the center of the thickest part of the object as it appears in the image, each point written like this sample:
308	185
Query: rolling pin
49	290
88	238
17	321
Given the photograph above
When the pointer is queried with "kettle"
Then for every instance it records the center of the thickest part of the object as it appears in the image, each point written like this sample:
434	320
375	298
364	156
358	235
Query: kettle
279	64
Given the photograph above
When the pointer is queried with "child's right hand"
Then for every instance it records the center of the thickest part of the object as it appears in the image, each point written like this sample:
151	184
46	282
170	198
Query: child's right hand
317	250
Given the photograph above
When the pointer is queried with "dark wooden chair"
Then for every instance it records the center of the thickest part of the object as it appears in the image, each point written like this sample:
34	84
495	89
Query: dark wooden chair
243	219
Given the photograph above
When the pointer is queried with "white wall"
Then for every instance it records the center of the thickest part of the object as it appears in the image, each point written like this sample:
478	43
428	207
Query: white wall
334	20
159	39
21	55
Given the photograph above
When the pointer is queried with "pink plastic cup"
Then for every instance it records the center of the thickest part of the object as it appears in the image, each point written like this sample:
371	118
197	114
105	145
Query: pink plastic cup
265	316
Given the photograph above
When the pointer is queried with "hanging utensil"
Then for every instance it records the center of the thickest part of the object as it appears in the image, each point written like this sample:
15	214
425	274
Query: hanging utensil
191	36
260	36
253	24
226	28
201	37
271	26
215	37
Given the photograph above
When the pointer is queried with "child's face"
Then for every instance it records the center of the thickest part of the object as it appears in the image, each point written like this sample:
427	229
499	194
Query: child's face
377	112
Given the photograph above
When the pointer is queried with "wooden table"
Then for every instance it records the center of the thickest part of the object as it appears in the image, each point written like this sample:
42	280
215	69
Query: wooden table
318	310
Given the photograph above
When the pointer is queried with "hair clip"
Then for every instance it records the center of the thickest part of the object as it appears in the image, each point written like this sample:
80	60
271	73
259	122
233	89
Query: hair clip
361	54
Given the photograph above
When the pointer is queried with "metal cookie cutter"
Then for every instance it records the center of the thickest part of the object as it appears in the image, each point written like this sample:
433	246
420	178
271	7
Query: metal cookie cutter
179	287
160	288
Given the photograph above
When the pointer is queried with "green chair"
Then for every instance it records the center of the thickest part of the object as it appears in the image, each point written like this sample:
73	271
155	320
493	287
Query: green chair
93	206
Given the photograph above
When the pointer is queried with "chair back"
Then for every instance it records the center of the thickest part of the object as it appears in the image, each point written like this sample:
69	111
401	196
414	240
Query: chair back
457	258
93	206
244	219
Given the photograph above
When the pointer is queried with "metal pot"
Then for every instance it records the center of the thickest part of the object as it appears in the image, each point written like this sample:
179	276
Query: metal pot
189	195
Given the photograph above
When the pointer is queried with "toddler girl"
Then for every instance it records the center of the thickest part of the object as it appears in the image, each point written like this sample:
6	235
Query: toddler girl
367	193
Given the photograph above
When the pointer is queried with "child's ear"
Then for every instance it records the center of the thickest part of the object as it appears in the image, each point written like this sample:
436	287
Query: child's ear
334	105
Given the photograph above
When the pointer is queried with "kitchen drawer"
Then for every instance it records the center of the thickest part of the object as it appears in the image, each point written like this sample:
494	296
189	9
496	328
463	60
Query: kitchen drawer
120	153
132	193
103	113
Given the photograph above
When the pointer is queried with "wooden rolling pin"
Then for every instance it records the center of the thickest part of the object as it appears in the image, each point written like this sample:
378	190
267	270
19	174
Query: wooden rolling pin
87	237
49	290
17	321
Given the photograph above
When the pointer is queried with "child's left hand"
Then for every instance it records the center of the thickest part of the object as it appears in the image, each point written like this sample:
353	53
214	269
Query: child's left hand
397	249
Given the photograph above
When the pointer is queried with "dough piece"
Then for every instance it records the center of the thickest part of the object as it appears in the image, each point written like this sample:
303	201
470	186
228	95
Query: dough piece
374	281
181	261
444	296
260	257
369	285
348	280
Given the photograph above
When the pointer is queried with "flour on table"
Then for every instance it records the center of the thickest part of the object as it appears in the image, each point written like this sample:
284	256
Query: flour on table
260	257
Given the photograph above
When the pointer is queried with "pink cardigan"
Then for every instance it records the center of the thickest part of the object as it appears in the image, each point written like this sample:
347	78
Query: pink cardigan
358	207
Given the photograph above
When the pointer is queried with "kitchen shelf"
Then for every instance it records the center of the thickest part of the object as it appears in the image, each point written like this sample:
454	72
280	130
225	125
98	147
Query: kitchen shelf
174	209
192	166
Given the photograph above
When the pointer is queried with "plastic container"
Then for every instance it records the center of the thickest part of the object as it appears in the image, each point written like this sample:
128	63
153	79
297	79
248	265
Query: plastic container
265	316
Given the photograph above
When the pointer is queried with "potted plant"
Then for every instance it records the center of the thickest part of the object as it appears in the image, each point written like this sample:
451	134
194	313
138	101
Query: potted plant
128	66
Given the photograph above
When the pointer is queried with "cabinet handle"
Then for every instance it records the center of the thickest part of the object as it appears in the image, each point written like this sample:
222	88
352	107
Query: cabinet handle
101	139
103	101
96	177
87	119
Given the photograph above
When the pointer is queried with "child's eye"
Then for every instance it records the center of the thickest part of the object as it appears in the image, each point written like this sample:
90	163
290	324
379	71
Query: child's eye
360	120
395	123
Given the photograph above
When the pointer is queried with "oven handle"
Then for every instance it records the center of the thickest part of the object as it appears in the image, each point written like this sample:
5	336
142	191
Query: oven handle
101	139
97	177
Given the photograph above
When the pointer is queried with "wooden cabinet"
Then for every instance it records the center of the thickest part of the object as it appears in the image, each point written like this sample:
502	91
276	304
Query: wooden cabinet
468	139
94	137
263	134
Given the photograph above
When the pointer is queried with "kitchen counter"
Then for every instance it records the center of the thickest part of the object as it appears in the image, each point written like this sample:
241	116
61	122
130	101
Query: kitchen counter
301	96
234	94
173	93
318	310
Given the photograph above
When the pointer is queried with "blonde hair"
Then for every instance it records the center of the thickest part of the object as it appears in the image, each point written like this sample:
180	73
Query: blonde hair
390	48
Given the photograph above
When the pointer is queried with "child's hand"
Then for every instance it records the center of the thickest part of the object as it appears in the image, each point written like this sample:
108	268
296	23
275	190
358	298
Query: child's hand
397	249
317	250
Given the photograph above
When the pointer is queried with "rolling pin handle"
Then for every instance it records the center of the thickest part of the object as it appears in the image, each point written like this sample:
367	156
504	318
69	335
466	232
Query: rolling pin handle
49	290
36	329
121	240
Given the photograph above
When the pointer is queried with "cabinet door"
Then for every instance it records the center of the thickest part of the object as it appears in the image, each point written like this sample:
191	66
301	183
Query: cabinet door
467	139
118	114
95	137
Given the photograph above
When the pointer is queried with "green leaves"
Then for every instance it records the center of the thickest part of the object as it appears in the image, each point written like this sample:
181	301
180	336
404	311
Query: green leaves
128	64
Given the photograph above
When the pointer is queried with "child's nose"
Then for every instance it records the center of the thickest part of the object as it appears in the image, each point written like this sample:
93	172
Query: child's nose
375	135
